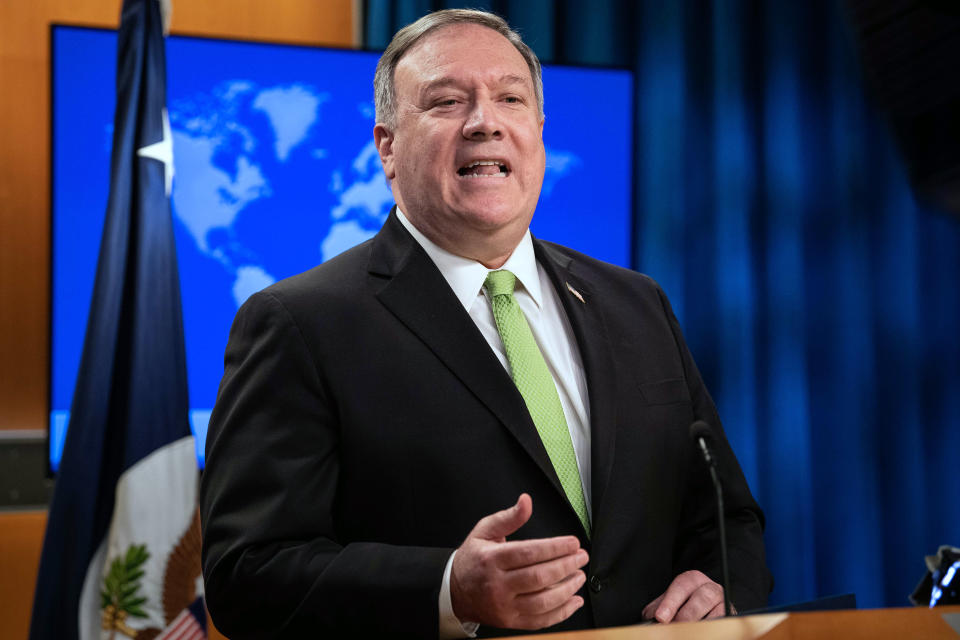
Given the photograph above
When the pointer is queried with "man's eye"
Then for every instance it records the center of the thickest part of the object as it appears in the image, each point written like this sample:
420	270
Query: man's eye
448	102
512	100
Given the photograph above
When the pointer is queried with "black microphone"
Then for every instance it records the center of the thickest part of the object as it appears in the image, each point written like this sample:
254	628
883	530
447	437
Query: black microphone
701	434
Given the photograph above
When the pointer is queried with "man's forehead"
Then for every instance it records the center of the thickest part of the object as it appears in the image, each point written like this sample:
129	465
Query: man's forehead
431	59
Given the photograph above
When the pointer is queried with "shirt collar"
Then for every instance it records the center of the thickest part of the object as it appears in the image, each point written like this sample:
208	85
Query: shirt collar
466	276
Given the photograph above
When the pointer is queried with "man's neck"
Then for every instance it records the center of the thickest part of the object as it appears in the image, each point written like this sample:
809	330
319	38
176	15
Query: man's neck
491	250
466	276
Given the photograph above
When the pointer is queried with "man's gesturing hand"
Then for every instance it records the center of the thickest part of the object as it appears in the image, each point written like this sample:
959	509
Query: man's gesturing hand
524	584
691	596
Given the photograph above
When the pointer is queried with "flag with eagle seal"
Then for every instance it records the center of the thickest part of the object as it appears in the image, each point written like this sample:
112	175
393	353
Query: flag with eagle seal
121	554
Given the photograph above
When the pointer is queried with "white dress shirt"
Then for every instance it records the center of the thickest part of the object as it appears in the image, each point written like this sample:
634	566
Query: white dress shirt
541	305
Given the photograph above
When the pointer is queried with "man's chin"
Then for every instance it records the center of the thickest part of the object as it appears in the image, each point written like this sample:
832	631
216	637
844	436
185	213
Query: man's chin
494	217
491	210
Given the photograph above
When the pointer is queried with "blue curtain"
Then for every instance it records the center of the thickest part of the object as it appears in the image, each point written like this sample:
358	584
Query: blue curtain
821	300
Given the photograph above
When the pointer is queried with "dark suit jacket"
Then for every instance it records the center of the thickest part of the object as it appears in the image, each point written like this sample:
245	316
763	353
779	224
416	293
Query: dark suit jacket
363	426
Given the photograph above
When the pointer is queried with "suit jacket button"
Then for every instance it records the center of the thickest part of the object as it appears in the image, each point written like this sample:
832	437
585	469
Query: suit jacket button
596	585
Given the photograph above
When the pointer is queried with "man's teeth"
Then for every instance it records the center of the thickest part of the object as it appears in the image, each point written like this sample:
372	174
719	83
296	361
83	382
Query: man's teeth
475	170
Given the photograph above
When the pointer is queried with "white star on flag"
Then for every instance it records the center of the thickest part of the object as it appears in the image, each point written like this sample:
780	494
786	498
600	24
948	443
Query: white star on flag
163	152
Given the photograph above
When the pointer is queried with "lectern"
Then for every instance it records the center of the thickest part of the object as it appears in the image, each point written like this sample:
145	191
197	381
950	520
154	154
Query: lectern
941	623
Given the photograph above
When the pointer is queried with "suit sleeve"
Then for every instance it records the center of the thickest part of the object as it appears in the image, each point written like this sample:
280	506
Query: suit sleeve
273	564
698	543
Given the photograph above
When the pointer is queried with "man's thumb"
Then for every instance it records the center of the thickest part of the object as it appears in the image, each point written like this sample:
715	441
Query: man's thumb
499	525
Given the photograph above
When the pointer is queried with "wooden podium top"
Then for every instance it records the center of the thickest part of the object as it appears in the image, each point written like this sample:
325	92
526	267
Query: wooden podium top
872	624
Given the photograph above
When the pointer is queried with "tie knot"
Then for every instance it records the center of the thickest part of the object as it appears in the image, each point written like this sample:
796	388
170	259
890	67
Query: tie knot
500	283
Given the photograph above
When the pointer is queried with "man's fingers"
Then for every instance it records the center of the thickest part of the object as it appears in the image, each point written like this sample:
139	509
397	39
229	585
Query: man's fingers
717	611
499	525
539	576
677	593
550	598
691	596
650	611
525	553
700	603
550	618
526	584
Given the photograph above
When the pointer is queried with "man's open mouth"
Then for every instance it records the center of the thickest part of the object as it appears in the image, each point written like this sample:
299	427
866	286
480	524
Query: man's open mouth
484	169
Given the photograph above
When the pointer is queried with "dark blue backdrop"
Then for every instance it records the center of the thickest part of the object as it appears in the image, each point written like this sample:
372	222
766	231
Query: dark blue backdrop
821	300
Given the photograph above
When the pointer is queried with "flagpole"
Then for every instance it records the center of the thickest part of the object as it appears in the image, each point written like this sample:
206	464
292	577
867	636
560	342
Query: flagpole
121	552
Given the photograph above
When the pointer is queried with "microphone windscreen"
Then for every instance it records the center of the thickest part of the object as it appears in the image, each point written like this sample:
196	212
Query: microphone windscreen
700	429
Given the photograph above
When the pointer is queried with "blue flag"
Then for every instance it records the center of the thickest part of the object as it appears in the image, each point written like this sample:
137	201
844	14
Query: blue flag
121	551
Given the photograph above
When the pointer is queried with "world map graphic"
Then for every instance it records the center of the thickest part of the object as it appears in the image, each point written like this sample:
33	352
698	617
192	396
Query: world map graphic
224	165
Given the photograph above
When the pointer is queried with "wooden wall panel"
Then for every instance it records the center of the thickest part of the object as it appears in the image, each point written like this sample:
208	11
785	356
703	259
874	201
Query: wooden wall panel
25	162
327	22
25	207
21	537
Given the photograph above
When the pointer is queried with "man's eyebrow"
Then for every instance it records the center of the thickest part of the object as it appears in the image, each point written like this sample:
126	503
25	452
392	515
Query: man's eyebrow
439	83
512	78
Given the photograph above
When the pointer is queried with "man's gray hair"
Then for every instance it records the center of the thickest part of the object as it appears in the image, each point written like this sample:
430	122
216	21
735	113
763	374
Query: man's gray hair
384	91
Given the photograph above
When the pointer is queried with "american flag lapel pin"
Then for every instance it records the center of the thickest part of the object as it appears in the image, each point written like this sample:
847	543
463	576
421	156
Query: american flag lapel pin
576	294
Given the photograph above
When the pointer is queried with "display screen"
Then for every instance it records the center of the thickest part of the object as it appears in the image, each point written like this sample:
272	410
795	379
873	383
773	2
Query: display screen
275	172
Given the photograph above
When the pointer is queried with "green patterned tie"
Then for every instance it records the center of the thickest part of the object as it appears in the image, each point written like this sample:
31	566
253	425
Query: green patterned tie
533	379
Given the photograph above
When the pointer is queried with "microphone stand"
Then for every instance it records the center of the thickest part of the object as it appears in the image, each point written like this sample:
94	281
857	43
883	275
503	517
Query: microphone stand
700	436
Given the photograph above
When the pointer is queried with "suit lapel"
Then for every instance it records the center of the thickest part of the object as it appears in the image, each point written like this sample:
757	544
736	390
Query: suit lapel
586	318
417	294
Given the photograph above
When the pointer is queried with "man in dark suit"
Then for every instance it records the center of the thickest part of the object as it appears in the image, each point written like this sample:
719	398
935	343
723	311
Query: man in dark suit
380	414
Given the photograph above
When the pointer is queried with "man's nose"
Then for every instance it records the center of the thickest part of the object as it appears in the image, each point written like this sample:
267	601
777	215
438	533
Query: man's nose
482	122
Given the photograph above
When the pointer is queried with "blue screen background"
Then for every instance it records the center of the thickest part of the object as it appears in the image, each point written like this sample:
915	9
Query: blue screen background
274	173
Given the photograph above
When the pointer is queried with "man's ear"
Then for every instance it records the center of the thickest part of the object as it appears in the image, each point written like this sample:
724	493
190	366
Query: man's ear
383	138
